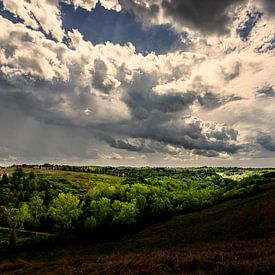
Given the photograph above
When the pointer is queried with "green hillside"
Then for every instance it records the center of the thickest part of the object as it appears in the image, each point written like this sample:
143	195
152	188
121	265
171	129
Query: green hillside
234	237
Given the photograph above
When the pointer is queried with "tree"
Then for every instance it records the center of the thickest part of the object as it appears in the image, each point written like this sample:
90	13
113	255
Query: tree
31	175
15	218
17	178
127	215
102	210
5	179
38	211
65	210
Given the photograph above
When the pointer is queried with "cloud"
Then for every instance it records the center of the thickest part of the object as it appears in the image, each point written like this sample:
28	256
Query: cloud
266	91
4	152
148	10
205	153
46	14
38	14
142	145
142	101
269	6
101	80
211	16
179	133
112	156
91	4
109	97
266	141
27	52
211	100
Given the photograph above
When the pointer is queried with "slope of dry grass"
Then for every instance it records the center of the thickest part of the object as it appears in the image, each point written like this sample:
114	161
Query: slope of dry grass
235	237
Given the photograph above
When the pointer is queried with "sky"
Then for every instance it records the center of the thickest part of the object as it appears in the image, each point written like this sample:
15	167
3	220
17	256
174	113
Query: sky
137	82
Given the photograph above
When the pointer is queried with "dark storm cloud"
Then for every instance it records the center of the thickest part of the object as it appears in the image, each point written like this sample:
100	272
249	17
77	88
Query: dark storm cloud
151	146
269	6
142	100
41	109
210	100
40	105
123	144
266	141
206	16
4	151
33	129
99	75
205	153
45	101
142	145
156	122
162	129
211	16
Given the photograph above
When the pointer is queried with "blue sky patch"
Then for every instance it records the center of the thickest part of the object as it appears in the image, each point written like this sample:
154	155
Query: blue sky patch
101	25
245	30
8	15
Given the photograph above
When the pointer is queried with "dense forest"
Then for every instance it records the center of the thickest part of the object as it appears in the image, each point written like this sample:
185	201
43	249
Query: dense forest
86	201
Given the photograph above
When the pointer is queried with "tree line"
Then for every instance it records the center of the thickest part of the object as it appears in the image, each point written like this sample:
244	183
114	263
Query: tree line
34	203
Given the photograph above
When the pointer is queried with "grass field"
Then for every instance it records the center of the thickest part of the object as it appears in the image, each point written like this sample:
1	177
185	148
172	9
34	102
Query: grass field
235	237
79	180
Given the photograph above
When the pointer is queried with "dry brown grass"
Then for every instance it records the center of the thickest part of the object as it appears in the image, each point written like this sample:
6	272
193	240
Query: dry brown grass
250	257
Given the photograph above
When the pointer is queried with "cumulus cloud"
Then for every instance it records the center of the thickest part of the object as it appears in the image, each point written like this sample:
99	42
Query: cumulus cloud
46	14
208	17
38	14
27	52
207	103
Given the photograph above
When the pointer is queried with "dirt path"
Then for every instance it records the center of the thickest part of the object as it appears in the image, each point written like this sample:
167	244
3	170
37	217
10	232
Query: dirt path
27	231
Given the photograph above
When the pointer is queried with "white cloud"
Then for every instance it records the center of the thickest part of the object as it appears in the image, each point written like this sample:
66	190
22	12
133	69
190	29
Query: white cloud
26	52
46	14
36	14
112	156
206	100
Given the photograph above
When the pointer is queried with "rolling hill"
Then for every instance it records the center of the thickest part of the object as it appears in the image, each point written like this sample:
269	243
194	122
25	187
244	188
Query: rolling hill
234	237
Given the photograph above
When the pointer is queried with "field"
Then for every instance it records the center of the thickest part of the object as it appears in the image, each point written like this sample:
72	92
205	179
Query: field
212	233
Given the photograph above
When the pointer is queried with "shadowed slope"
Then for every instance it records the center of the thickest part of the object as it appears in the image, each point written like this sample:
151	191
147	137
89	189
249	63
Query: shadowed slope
235	237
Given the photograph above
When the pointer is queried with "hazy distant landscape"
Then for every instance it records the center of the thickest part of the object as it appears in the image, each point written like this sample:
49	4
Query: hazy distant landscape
122	219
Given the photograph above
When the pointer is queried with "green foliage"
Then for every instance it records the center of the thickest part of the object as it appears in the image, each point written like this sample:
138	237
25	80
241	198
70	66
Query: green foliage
65	210
15	218
127	214
101	210
92	198
38	211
